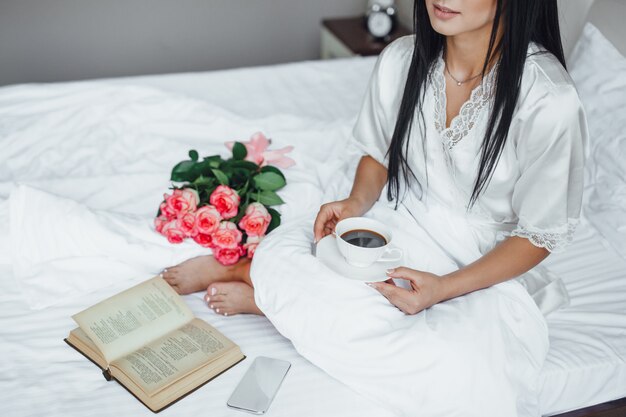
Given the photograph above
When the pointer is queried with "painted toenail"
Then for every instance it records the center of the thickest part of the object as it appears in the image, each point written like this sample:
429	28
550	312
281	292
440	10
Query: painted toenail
213	291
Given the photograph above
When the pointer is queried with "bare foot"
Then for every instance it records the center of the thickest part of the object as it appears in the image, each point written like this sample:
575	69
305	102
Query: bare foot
196	274
230	298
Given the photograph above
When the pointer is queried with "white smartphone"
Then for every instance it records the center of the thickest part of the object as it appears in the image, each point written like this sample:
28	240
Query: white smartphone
259	385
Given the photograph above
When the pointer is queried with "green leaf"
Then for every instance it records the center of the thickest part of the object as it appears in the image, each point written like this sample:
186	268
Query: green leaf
270	168
183	171
248	165
269	181
240	214
193	154
268	198
221	177
244	190
204	181
275	222
209	162
239	151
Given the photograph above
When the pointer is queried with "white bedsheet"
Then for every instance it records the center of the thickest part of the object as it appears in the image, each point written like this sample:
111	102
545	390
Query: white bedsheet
39	373
37	369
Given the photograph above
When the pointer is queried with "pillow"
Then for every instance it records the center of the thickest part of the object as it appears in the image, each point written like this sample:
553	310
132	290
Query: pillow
599	72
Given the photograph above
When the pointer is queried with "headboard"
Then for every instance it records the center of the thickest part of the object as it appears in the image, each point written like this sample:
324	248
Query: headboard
610	17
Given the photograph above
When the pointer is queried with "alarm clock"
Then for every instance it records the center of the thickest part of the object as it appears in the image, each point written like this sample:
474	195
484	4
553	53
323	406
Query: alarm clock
380	18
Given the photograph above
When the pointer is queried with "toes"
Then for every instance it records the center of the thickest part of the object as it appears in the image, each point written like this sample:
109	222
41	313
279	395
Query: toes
219	308
170	272
217	288
215	299
167	274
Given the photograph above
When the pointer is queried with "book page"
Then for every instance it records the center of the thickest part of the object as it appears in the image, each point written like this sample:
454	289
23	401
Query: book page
133	318
155	366
81	342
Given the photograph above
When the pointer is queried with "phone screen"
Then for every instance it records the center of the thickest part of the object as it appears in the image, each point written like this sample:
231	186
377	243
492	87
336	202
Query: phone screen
259	385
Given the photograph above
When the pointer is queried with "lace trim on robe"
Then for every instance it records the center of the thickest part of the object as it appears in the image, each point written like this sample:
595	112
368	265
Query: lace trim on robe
470	110
554	240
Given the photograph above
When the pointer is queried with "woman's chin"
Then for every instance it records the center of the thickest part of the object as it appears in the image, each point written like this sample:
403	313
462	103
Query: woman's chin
447	28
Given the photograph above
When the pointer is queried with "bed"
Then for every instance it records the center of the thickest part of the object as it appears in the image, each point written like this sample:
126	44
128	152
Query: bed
40	375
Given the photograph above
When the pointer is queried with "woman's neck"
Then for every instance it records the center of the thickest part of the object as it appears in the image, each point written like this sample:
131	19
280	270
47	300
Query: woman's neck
466	53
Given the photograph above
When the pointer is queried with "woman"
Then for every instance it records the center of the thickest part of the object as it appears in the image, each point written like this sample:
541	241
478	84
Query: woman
482	153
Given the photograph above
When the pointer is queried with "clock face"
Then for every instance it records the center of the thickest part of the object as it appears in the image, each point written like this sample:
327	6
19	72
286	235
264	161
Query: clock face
379	24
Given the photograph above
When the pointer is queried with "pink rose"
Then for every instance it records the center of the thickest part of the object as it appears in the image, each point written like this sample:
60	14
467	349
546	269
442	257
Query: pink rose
182	201
159	222
227	236
203	240
225	200
166	211
228	256
256	220
171	230
186	224
207	220
251	245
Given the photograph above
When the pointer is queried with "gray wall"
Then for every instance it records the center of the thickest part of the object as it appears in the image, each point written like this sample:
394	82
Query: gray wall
56	40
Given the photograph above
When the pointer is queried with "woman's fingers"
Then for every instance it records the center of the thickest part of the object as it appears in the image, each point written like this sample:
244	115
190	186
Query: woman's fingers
388	290
331	213
402	272
390	282
321	221
326	221
399	297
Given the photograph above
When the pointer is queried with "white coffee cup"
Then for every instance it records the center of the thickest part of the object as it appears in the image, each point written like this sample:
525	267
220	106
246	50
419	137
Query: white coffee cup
360	256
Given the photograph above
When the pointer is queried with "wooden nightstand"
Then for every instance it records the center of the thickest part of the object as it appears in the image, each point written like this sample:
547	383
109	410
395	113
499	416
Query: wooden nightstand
342	38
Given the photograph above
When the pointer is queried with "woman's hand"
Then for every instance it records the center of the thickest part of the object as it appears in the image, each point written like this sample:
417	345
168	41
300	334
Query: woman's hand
331	213
426	290
369	180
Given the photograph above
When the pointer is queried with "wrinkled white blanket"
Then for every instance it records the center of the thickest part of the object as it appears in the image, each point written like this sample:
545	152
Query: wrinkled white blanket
475	355
86	166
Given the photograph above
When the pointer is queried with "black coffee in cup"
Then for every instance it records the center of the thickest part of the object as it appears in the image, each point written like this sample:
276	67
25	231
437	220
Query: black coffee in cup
364	238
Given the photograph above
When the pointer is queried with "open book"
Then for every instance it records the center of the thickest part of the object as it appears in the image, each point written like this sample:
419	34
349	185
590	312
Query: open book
150	342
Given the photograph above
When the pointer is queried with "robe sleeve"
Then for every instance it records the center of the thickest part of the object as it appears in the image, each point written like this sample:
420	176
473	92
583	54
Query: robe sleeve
547	196
377	117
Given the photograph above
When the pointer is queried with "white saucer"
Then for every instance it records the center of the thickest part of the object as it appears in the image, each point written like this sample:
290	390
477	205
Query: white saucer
327	252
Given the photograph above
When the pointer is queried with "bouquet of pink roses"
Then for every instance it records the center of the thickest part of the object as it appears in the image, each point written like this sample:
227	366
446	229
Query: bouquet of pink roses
225	204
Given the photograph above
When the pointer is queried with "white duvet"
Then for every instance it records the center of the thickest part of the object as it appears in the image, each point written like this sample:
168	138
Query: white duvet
85	168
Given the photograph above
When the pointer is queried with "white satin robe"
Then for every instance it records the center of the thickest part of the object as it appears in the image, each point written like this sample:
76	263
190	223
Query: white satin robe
476	355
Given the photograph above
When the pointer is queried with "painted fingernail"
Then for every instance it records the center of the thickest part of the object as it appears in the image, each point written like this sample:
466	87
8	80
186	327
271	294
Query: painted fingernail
390	270
213	291
211	306
207	298
226	314
217	310
164	270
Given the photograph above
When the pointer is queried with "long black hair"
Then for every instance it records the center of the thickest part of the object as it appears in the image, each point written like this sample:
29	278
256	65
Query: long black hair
523	21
